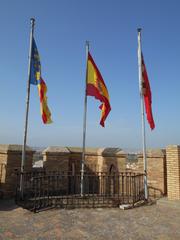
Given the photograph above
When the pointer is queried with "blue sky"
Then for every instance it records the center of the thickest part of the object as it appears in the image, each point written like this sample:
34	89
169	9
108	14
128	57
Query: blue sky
61	29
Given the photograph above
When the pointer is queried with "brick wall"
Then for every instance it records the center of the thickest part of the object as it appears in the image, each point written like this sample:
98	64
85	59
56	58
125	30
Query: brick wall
163	166
96	159
10	159
173	172
106	159
112	159
56	158
156	171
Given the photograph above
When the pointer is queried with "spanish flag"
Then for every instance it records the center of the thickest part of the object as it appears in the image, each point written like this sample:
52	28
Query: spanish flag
36	79
97	88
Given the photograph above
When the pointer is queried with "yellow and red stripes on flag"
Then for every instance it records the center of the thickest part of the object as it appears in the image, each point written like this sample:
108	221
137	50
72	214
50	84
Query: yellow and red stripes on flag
36	79
97	88
45	113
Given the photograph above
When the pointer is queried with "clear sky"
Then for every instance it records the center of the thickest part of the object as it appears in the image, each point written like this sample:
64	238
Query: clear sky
62	27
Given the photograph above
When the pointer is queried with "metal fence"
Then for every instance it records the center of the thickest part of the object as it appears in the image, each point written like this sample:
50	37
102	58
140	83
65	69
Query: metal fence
59	189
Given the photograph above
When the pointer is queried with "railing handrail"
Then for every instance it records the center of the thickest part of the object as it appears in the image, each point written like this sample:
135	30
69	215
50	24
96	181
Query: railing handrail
125	173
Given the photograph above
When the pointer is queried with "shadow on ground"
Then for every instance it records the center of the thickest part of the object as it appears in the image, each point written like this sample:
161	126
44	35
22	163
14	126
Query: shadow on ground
7	204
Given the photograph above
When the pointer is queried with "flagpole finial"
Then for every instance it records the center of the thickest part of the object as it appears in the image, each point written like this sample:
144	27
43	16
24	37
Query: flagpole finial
87	43
139	29
32	21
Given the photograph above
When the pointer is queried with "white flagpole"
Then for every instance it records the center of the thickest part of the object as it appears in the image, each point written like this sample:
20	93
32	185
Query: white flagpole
84	124
142	114
27	107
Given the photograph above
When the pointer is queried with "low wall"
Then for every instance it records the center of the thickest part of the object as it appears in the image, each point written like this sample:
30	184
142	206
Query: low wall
96	159
156	171
56	158
163	166
110	159
10	160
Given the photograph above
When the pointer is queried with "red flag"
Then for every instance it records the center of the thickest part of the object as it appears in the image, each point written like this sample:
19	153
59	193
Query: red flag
146	91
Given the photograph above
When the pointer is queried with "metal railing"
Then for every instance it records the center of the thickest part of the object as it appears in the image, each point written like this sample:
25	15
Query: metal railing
62	189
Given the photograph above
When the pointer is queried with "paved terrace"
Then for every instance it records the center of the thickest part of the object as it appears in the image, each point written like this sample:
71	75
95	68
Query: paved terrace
157	222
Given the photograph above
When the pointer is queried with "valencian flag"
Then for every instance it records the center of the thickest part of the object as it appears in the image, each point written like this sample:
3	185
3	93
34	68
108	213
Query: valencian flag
36	79
97	88
146	91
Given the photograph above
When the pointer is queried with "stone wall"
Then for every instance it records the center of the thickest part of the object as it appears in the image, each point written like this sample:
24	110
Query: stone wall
10	160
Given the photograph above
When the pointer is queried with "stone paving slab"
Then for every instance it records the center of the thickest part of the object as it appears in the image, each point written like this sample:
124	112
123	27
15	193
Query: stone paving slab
169	203
153	222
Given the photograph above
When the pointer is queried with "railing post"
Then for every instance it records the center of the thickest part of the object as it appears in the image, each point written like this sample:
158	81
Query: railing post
134	190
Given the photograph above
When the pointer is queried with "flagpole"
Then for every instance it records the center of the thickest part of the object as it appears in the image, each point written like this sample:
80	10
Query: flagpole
84	124
142	114
27	107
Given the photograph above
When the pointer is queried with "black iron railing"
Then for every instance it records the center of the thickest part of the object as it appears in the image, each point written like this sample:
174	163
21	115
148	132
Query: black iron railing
59	189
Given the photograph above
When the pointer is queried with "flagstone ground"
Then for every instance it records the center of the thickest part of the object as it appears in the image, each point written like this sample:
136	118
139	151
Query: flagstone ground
157	222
